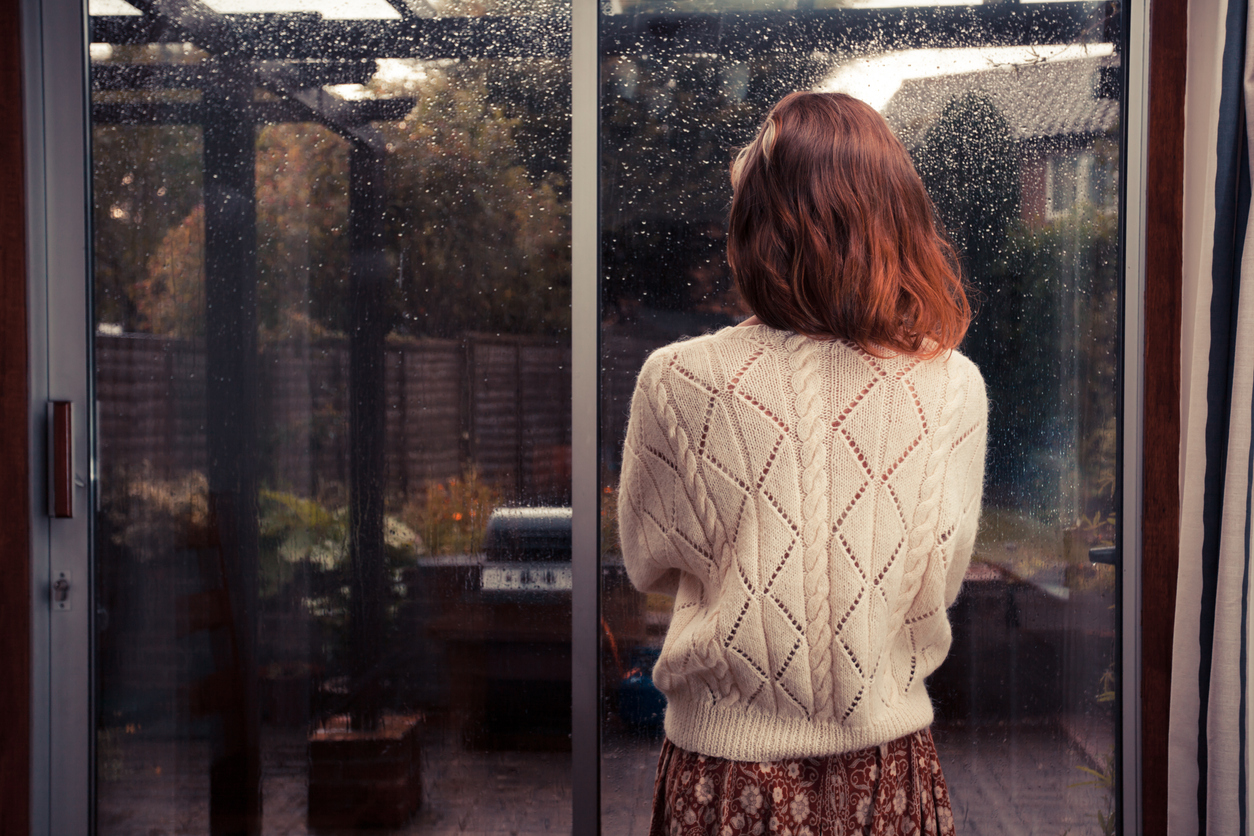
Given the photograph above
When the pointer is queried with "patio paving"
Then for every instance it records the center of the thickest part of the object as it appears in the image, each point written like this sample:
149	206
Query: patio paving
1004	779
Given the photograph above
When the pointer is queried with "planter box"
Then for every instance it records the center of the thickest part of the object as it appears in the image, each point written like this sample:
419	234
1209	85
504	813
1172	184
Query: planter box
364	778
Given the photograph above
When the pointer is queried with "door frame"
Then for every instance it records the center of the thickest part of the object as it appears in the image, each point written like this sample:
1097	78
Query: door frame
54	63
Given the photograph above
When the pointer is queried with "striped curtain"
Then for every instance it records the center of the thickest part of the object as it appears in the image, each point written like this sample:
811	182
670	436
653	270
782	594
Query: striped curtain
1208	768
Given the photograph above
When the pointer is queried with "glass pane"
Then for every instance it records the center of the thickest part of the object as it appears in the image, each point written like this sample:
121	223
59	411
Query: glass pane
1019	146
332	365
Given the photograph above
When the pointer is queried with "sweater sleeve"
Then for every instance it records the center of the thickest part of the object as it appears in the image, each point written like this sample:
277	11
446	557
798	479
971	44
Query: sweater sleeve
648	488
964	479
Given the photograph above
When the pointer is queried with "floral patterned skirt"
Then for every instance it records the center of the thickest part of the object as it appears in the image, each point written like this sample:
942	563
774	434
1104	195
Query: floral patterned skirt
895	788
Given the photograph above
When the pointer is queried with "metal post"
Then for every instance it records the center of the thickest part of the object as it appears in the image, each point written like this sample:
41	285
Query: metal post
366	206
1133	211
585	363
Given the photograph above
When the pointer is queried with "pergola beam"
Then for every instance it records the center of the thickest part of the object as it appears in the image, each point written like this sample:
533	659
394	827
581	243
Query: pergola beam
302	97
738	34
348	114
835	30
149	77
191	21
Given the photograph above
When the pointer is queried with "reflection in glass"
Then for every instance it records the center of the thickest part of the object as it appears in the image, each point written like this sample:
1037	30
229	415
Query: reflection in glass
1020	149
332	342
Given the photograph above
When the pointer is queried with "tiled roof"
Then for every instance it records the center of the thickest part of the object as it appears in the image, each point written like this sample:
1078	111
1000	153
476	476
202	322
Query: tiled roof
1049	99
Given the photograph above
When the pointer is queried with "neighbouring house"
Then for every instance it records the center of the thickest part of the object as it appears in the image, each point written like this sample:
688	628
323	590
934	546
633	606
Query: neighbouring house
1060	114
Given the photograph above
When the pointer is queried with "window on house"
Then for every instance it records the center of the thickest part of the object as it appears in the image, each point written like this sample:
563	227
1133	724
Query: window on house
1080	180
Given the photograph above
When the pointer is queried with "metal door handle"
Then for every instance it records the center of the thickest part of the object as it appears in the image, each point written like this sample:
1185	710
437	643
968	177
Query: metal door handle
61	459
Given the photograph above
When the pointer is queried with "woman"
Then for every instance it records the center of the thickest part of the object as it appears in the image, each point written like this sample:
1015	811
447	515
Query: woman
807	486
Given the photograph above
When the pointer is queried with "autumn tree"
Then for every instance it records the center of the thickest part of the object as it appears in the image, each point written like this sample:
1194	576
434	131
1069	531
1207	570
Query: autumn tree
146	183
302	229
478	239
479	242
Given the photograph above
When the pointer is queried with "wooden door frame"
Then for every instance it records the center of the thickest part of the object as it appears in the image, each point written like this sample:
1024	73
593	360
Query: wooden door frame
1160	451
15	543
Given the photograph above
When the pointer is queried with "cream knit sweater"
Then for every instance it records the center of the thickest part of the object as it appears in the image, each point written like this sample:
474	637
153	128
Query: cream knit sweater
812	508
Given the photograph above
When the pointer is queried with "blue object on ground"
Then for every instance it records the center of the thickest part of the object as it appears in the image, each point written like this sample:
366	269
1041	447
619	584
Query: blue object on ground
640	704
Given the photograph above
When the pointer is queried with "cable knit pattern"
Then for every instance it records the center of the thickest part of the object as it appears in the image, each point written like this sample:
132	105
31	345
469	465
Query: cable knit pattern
808	398
813	510
715	667
923	531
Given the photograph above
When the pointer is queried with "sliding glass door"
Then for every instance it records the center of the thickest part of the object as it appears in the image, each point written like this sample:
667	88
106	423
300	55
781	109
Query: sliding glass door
332	574
369	285
1013	118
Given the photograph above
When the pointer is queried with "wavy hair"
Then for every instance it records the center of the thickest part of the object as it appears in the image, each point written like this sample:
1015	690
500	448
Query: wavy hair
832	234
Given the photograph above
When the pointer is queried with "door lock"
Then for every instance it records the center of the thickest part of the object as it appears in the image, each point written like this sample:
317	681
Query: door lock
61	591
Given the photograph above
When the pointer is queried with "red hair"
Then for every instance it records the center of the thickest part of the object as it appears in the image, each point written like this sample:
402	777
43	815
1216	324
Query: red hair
832	234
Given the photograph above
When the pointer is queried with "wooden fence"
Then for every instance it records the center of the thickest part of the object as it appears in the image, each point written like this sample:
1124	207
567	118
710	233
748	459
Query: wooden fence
499	404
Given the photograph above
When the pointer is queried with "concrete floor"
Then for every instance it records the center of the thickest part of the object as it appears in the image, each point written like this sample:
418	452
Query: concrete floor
1005	780
1021	780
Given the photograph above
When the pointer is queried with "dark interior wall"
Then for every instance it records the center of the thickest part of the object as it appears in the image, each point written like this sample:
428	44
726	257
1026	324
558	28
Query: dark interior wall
14	444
